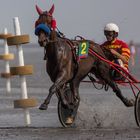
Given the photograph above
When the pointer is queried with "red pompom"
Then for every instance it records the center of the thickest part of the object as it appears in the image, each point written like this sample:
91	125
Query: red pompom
53	24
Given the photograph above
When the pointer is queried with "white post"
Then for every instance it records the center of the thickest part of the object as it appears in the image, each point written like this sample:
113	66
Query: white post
7	66
21	63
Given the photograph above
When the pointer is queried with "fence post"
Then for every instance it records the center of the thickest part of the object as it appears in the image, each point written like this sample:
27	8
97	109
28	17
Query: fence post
21	70
6	56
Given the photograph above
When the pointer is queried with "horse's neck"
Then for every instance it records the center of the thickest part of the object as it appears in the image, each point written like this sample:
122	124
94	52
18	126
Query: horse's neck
52	49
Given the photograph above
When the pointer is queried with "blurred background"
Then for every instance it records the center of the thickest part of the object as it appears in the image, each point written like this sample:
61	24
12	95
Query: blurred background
81	17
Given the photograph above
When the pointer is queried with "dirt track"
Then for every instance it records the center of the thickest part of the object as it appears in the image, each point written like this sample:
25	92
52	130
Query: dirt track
33	133
104	120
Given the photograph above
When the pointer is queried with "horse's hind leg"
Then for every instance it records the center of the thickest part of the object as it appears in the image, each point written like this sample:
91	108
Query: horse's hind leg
106	77
115	88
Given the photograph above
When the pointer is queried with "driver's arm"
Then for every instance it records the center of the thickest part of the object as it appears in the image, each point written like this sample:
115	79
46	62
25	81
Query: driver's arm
120	56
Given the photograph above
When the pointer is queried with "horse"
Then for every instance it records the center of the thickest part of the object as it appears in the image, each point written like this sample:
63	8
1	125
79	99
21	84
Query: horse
63	68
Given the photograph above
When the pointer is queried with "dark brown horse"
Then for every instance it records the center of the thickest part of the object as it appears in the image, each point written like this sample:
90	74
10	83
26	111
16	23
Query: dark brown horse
62	67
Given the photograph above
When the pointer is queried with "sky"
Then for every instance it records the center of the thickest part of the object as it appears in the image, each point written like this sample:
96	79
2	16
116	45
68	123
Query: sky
86	18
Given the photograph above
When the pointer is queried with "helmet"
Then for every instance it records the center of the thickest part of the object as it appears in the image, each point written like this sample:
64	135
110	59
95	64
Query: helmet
111	27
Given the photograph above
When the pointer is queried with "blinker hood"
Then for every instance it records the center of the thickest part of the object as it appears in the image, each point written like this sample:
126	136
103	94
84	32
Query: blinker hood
43	27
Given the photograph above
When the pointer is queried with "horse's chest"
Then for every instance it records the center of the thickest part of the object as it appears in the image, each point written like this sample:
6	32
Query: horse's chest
52	68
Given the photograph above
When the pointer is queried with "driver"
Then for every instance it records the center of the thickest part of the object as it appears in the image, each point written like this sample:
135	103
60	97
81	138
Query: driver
118	48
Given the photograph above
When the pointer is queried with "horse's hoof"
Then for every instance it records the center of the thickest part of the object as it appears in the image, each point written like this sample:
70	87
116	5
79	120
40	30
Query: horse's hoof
130	103
69	121
43	106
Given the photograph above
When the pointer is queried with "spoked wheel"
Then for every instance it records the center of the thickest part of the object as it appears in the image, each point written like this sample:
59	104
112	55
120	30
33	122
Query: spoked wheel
137	109
65	113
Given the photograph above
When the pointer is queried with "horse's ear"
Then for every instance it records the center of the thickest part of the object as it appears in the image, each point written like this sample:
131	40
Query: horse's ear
51	10
38	10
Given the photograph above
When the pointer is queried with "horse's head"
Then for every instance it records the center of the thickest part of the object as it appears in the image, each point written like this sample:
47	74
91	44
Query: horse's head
43	25
43	32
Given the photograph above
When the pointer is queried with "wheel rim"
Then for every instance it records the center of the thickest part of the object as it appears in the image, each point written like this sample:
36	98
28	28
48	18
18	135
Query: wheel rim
63	114
137	109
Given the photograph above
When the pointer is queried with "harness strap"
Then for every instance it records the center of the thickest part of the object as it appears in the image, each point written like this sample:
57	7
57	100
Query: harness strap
73	49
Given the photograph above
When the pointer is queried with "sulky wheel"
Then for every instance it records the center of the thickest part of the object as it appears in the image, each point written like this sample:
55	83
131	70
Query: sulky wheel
137	109
65	113
17	40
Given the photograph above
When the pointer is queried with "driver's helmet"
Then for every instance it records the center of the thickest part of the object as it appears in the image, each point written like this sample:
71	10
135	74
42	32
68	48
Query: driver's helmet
111	27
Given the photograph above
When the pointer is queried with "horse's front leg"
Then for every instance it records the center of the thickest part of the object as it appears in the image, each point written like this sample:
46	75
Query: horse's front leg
56	87
74	85
61	94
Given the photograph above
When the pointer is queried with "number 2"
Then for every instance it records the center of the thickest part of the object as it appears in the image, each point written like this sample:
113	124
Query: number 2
84	46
